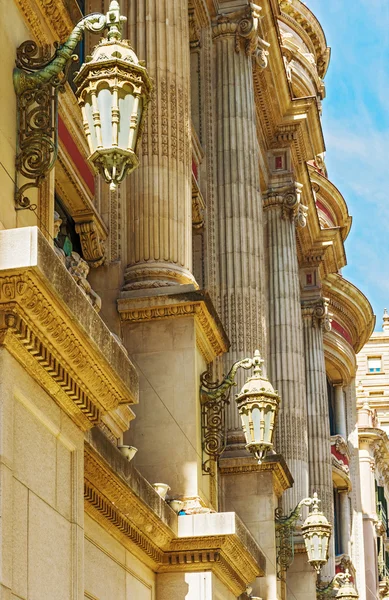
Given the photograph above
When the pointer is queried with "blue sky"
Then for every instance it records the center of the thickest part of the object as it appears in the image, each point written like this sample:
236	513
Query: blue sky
356	131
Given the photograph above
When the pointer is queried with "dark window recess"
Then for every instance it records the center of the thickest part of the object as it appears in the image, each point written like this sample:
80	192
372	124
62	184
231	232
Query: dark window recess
76	65
67	238
81	4
338	545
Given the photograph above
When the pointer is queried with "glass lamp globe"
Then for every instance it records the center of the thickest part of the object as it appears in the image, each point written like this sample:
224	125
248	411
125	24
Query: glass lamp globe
316	532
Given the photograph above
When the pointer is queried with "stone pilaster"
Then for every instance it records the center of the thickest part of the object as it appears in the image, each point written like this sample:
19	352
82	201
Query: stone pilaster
315	319
159	192
238	208
286	354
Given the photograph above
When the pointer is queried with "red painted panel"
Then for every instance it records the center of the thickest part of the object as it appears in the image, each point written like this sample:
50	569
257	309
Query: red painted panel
342	331
325	210
76	156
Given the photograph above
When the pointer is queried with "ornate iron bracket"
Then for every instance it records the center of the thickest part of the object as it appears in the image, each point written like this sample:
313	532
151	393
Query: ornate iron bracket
214	397
285	526
38	78
324	591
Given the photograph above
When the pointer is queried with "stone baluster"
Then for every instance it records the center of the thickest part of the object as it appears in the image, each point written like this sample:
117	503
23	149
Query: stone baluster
159	194
315	319
238	210
283	210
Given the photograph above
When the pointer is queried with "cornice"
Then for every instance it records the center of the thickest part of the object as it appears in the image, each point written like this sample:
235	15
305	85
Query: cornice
50	327
122	501
351	307
211	338
298	16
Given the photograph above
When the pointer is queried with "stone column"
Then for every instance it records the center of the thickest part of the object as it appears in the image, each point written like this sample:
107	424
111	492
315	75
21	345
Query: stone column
238	209
340	411
159	192
286	352
345	521
315	318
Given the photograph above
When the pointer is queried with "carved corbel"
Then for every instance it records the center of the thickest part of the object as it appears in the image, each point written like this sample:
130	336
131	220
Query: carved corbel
93	248
194	29
317	311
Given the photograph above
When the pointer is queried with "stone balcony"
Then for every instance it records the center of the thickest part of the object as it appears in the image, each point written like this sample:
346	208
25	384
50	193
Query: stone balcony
50	327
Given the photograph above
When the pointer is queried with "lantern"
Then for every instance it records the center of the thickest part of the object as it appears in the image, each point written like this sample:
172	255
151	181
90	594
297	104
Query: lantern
316	532
113	89
258	407
347	590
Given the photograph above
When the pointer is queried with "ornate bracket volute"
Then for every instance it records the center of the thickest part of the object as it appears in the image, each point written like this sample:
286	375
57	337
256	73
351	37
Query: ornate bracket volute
246	29
289	198
317	311
93	247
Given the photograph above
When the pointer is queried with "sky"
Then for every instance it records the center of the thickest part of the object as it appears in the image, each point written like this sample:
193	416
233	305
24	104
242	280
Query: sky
356	132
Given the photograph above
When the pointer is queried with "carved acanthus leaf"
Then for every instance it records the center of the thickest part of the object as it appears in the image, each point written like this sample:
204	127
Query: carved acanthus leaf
93	248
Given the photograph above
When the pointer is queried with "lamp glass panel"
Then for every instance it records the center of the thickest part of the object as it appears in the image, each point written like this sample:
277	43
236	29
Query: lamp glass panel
88	111
256	416
126	104
268	423
104	101
246	425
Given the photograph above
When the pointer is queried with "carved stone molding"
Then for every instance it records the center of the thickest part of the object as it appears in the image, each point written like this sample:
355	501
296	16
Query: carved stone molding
274	463
245	26
317	311
48	325
198	206
142	522
54	13
93	247
194	29
289	199
340	445
210	336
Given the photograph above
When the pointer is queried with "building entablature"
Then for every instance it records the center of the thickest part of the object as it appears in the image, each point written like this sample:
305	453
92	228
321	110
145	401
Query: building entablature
353	316
300	65
120	499
49	326
307	29
330	204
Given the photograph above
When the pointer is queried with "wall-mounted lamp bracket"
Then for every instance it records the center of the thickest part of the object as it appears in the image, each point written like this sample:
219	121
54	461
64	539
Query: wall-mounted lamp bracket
214	397
38	78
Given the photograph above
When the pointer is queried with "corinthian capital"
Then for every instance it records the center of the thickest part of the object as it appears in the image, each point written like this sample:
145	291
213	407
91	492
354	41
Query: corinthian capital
245	26
289	198
317	312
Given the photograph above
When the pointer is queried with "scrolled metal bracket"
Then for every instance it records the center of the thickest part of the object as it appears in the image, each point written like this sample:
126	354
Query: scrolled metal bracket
214	397
324	591
38	79
285	526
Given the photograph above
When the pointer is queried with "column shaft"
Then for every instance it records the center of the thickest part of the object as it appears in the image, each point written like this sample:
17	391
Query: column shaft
345	522
159	191
340	412
286	357
319	442
238	210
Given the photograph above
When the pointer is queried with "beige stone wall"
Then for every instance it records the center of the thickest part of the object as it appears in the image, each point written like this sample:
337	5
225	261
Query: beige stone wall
111	571
166	430
41	482
12	37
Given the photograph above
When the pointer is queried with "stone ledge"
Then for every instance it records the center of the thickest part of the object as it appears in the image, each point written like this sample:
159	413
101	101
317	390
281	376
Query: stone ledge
141	306
274	463
49	326
126	505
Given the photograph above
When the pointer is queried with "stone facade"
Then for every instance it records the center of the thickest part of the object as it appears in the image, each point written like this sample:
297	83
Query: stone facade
118	307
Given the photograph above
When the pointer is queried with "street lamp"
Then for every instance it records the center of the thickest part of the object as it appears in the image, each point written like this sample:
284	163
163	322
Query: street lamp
257	404
258	407
316	532
113	91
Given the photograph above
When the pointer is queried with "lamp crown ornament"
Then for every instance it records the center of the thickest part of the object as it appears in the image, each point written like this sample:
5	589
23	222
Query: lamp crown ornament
113	92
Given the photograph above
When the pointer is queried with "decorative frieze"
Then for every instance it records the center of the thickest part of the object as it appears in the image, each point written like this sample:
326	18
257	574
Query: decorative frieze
49	326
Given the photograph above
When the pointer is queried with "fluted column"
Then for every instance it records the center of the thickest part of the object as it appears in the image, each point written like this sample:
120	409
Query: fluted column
286	354
159	192
315	318
238	210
